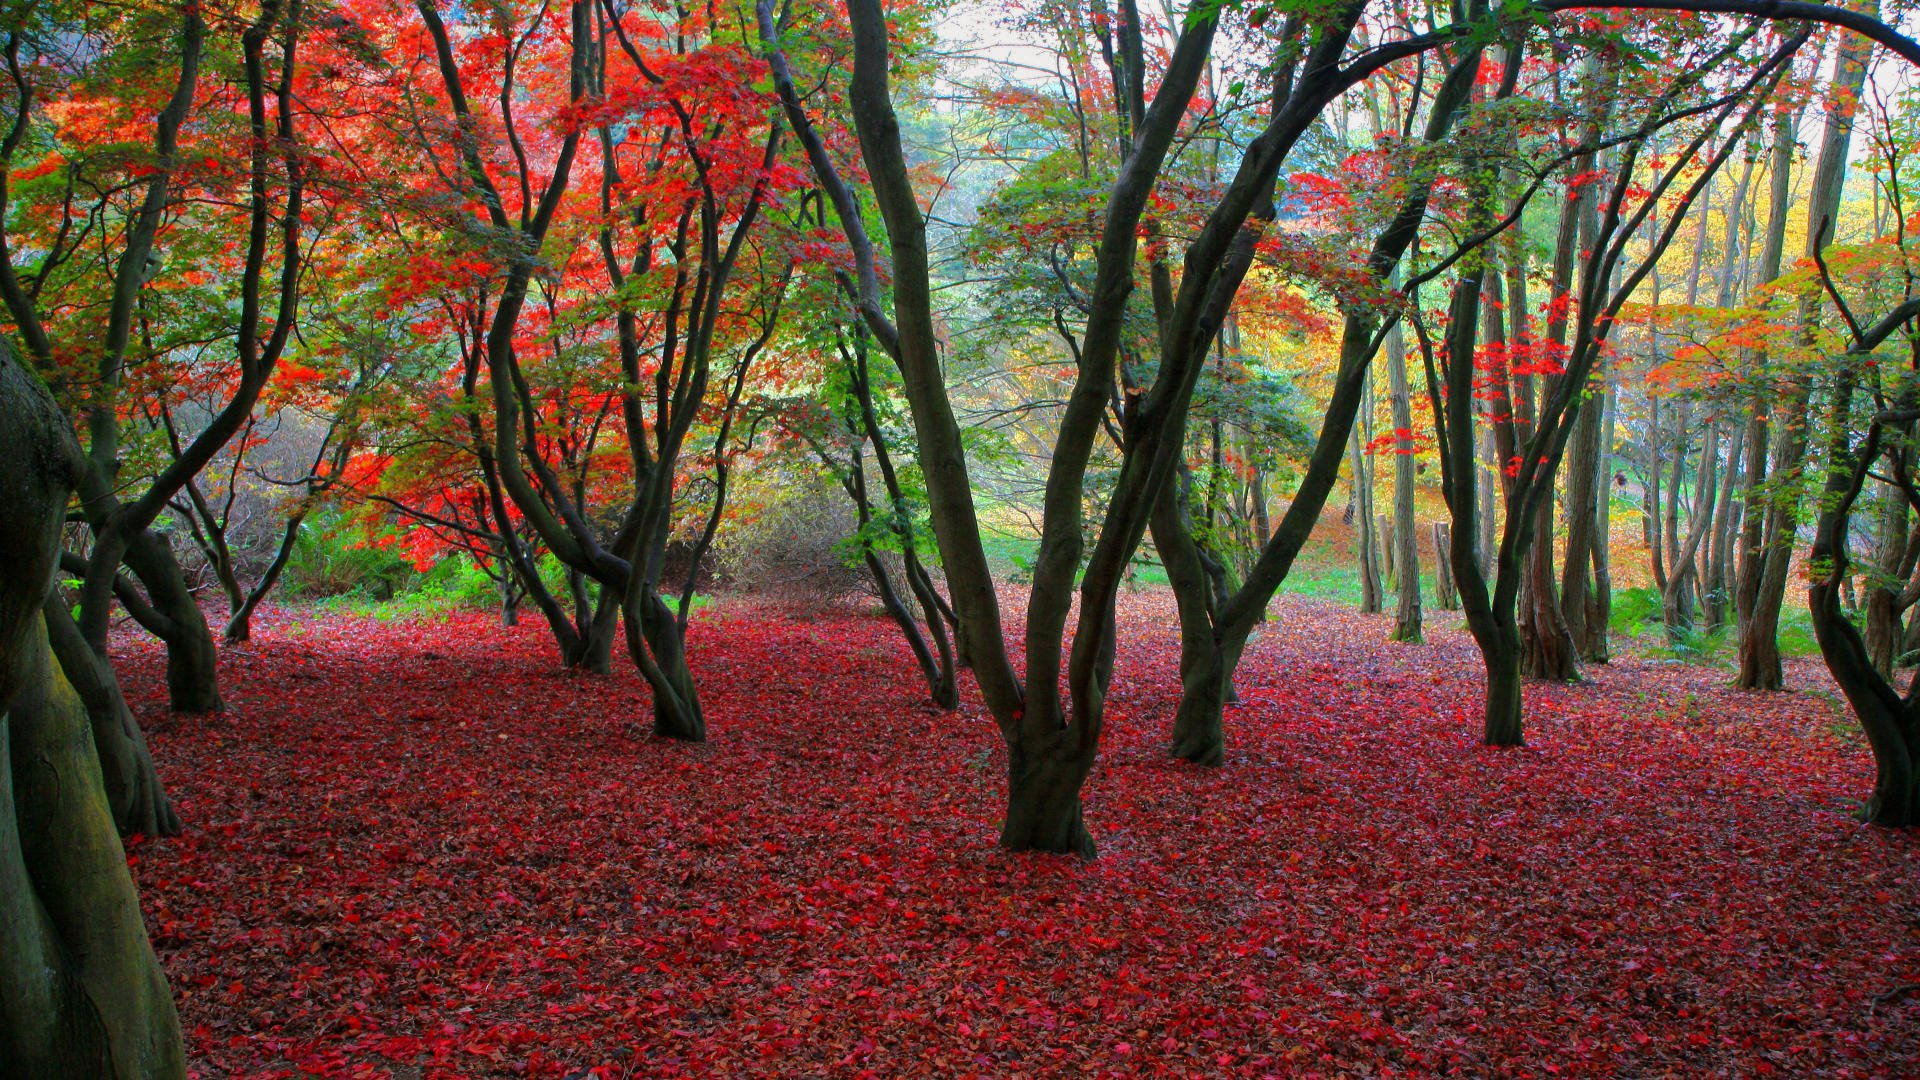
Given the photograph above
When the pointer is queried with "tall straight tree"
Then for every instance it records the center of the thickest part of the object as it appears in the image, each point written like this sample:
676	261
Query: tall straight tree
1760	631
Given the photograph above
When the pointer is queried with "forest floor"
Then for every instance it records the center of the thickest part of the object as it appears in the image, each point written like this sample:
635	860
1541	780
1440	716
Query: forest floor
418	850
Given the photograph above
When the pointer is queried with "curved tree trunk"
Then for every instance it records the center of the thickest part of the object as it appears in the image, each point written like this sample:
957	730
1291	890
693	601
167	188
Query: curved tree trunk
81	994
240	625
134	794
659	648
1891	722
193	677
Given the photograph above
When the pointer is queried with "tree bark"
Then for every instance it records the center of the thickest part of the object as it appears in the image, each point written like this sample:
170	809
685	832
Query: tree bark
1406	539
134	794
1043	801
1444	591
1199	733
1547	650
193	677
658	647
1586	487
1759	640
1365	547
81	994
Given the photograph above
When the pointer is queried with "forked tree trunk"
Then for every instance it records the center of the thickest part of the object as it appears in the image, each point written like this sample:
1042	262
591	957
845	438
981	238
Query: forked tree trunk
1043	800
659	648
240	624
81	994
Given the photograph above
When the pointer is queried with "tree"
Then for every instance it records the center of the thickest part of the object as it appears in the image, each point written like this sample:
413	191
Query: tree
1052	739
691	189
1459	372
1890	718
81	993
1759	631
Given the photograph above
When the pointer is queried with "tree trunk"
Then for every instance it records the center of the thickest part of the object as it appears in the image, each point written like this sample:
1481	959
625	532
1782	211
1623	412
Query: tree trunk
1406	539
1487	503
1586	486
81	994
1719	558
193	677
1600	604
1043	801
1547	651
596	649
240	625
134	794
1362	509
509	602
1444	592
1199	732
655	642
1759	647
1757	438
1885	581
1503	725
1891	722
1759	637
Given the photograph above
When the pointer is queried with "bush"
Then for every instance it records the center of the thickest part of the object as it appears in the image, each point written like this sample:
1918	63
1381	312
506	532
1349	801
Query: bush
1634	609
330	559
790	545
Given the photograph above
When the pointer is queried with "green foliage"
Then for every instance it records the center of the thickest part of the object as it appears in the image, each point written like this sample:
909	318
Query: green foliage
1633	610
1698	644
330	560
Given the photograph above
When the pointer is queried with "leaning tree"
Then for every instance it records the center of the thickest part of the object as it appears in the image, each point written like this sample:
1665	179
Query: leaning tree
1872	411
